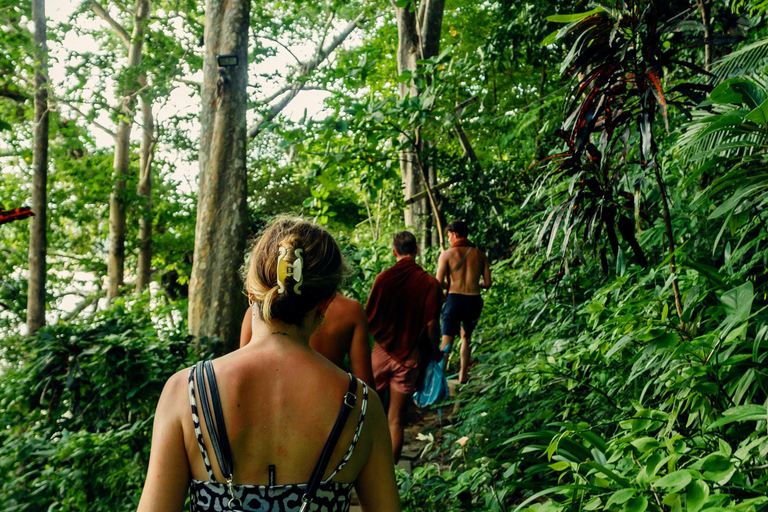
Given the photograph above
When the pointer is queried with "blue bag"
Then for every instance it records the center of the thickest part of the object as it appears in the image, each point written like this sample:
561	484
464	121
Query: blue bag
434	387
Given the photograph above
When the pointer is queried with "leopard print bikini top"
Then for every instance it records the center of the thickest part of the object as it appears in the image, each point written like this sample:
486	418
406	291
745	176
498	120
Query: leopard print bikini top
211	495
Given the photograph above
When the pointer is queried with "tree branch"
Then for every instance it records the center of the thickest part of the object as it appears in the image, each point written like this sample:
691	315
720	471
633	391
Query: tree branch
18	96
306	69
84	116
190	83
82	306
279	43
102	13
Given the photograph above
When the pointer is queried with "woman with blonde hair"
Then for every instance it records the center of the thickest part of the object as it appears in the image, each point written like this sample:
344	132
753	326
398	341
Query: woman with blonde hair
274	425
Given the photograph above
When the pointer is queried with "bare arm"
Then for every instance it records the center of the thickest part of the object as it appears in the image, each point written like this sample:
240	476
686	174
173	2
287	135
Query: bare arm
165	488
486	282
246	331
360	350
375	485
442	270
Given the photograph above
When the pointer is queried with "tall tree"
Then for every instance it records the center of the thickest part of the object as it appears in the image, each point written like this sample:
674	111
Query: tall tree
216	303
37	232
418	28
146	154
130	89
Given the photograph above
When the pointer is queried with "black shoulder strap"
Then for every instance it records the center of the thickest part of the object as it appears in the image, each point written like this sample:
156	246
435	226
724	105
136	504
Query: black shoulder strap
463	259
216	431
349	403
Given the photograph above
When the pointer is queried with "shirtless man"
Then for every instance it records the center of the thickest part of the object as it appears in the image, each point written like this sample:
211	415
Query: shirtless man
463	270
345	331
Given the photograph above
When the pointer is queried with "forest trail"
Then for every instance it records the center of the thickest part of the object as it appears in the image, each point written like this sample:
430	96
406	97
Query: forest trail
427	421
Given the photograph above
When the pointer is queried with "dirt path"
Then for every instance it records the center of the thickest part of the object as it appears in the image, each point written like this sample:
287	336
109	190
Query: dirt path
428	421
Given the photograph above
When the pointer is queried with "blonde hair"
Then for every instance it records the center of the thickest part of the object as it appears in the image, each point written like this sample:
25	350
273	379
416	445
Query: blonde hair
323	269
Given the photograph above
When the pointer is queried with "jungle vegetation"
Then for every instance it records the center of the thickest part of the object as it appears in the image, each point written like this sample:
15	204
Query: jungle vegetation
610	156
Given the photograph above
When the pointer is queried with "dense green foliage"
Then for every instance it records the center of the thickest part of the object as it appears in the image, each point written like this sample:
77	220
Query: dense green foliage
77	403
604	152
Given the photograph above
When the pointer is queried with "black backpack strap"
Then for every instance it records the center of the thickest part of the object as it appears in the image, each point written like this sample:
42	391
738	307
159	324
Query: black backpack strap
349	403
463	259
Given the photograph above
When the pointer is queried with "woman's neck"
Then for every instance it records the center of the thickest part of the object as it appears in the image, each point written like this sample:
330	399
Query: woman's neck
277	329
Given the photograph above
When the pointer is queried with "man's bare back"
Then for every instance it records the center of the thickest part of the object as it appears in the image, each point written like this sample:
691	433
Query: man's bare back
345	320
463	270
345	331
465	280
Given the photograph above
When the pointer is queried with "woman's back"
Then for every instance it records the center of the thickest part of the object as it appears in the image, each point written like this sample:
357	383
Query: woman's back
279	407
278	402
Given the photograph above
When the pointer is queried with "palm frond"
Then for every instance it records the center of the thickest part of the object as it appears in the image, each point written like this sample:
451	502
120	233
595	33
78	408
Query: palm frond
750	60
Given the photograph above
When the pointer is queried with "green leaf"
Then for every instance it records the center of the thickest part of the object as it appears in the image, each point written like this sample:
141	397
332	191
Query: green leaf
558	488
738	304
569	18
404	77
674	481
695	495
620	496
550	39
594	504
645	444
759	115
560	466
609	473
618	345
636	504
717	467
621	264
716	462
738	91
750	412
730	205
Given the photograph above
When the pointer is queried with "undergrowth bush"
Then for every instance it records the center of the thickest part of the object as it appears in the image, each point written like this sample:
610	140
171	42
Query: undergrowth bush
76	405
609	405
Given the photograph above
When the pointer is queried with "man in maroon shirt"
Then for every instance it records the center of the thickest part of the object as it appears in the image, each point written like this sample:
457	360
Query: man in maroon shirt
404	318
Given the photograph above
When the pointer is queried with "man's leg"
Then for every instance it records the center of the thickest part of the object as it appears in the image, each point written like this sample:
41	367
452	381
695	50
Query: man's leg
449	328
398	402
447	340
466	356
472	308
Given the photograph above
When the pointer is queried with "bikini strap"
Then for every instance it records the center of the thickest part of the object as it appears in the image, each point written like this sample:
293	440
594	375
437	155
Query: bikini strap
196	423
356	437
348	403
216	431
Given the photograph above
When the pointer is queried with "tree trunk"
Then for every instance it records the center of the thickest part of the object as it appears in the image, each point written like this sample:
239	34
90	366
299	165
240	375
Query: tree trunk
37	232
144	190
216	300
418	38
704	9
116	264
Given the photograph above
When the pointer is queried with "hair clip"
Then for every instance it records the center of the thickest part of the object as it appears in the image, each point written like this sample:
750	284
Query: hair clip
285	269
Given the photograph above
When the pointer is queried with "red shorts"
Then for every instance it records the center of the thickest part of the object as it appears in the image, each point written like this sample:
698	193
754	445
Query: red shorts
389	372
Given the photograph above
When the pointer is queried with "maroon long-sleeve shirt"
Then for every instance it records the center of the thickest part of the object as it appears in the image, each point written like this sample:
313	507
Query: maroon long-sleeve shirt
403	300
